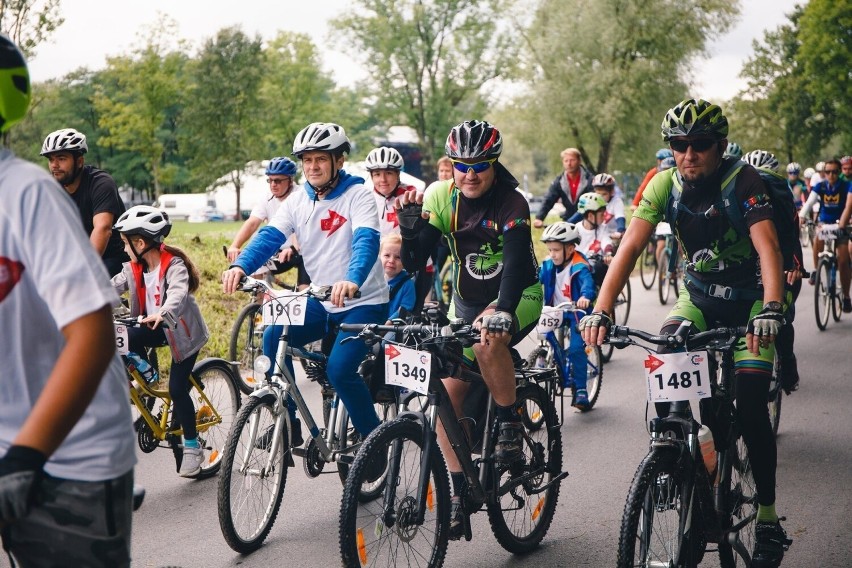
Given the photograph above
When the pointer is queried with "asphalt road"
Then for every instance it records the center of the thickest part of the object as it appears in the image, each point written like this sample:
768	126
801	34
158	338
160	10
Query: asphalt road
178	524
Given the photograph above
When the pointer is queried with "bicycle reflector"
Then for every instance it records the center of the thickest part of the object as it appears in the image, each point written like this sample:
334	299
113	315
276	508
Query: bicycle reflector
262	363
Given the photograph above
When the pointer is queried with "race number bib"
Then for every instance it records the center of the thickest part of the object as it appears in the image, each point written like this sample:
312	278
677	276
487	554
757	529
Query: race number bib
121	339
550	319
408	368
286	308
677	376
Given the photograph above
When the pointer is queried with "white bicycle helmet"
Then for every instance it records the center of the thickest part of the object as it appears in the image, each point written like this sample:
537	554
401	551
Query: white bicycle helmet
794	168
65	140
323	137
590	202
762	159
820	166
808	173
561	232
145	221
384	158
733	150
603	180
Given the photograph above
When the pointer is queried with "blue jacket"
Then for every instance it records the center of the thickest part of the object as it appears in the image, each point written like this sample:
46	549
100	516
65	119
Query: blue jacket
405	295
582	282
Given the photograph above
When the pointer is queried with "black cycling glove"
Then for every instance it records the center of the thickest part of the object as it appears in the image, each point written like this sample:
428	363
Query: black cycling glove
20	474
411	220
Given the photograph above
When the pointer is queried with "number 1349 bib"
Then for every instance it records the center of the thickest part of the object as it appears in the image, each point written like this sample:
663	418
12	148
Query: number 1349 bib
677	376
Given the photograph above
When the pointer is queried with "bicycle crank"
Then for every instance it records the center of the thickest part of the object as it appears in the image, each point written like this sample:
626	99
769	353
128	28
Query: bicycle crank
313	461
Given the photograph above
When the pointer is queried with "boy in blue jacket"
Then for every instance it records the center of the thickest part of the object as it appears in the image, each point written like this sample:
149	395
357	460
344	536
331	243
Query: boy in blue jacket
566	275
401	292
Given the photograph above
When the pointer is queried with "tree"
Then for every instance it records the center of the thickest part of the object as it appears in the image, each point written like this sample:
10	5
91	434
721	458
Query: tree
602	74
428	60
29	22
223	121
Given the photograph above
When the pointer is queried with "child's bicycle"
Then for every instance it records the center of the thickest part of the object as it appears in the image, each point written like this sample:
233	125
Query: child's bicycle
214	392
260	448
408	522
554	331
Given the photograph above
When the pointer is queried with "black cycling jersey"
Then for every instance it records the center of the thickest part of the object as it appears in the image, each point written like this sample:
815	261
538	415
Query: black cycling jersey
97	193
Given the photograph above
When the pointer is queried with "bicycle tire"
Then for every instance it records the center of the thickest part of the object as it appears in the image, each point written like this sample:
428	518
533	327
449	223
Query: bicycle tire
623	300
242	531
364	539
246	344
836	297
594	380
541	357
776	394
822	294
657	489
607	349
741	497
664	285
520	522
220	387
387	412
648	266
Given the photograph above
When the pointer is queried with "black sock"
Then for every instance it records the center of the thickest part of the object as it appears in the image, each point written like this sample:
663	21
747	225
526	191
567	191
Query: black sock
458	482
506	413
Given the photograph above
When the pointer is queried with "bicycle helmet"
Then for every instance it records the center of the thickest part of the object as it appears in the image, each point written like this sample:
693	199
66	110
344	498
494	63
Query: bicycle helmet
664	153
808	173
694	117
820	166
474	139
845	160
281	166
14	84
321	136
668	163
590	202
561	232
384	158
762	159
65	140
603	180
794	168
733	150
145	221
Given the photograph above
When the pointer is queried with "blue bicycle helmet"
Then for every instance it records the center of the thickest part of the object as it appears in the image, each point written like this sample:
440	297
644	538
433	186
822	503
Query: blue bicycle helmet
664	153
281	166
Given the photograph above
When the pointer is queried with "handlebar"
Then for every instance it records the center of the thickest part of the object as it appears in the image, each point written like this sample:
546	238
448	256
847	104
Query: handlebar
724	337
458	330
321	293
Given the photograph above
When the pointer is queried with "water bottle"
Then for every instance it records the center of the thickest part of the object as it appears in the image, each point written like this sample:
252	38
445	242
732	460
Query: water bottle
708	449
144	367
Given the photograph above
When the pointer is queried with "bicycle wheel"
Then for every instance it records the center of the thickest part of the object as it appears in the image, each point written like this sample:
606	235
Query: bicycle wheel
836	295
775	397
252	482
652	525
219	384
742	503
822	294
594	381
648	266
607	349
804	236
366	538
246	344
623	300
520	518
664	284
541	357
387	411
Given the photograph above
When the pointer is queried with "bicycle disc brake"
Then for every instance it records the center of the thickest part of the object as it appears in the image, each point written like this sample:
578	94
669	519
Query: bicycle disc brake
313	462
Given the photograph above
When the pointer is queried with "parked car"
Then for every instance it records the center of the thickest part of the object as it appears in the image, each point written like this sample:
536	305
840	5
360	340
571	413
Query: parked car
206	214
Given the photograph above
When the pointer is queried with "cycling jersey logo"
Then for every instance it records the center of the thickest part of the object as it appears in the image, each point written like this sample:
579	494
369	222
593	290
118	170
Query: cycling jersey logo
831	199
707	260
390	217
10	275
483	265
331	223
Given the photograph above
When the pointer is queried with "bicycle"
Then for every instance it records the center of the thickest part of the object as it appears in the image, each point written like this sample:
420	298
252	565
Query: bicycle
554	331
410	518
774	398
679	501
806	232
669	278
214	388
827	294
260	448
648	264
620	309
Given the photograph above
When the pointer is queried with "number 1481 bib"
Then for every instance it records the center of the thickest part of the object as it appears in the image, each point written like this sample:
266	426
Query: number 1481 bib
677	376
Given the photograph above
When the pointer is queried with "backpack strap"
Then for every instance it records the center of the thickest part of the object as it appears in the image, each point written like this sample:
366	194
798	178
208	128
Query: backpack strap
729	203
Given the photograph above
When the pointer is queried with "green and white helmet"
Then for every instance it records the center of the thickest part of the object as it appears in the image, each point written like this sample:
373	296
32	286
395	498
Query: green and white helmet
590	202
694	117
14	84
733	150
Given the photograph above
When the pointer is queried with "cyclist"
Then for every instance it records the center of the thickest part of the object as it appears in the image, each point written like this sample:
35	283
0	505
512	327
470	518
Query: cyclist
832	194
161	280
93	191
661	155
808	175
334	217
567	187
817	176
796	185
280	172
595	234
445	168
66	439
496	289
730	281
846	168
567	276
733	150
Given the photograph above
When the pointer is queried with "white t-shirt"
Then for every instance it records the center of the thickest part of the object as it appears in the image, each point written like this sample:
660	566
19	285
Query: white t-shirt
152	291
614	210
594	241
266	209
325	230
51	276
562	290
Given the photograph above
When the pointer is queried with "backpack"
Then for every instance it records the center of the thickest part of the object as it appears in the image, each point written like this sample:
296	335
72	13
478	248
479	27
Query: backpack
783	209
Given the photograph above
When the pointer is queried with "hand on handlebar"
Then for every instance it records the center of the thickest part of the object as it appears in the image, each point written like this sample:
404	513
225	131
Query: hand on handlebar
232	253
231	279
153	321
595	327
342	291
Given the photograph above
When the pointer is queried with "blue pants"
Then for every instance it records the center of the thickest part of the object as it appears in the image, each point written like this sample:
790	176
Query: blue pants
579	358
342	362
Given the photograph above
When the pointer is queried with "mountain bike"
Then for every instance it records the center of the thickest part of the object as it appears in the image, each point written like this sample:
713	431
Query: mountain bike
554	331
775	396
827	293
408	522
648	264
260	448
678	501
215	394
671	271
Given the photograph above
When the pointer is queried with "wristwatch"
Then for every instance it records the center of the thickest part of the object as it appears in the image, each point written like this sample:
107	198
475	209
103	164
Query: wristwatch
773	306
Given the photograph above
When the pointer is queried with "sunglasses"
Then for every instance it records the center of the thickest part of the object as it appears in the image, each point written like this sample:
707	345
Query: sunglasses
272	181
476	168
699	145
831	172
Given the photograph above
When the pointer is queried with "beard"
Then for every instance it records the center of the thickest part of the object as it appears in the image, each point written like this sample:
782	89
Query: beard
68	178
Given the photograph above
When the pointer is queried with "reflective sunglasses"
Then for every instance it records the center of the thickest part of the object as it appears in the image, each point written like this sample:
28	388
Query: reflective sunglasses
831	172
476	168
699	144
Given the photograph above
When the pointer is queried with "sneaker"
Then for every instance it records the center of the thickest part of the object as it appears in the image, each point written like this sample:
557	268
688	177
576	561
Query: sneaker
190	465
377	466
581	400
847	305
456	518
812	279
138	496
510	442
265	440
770	542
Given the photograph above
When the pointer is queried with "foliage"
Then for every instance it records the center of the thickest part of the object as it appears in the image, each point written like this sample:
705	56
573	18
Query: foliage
29	22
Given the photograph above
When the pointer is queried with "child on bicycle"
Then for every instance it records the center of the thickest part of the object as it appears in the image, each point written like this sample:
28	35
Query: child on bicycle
595	234
401	293
566	276
161	280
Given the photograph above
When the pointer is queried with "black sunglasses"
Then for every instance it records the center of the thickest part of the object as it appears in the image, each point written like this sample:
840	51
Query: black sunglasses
699	144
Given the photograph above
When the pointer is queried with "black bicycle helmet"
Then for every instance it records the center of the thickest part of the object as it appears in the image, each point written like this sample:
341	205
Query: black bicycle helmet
474	139
695	117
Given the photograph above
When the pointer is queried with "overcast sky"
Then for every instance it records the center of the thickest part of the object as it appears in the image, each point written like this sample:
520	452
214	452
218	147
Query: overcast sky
95	29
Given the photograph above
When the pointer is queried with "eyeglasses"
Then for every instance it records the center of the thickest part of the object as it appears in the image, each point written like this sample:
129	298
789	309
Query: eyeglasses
476	168
276	181
831	172
699	144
